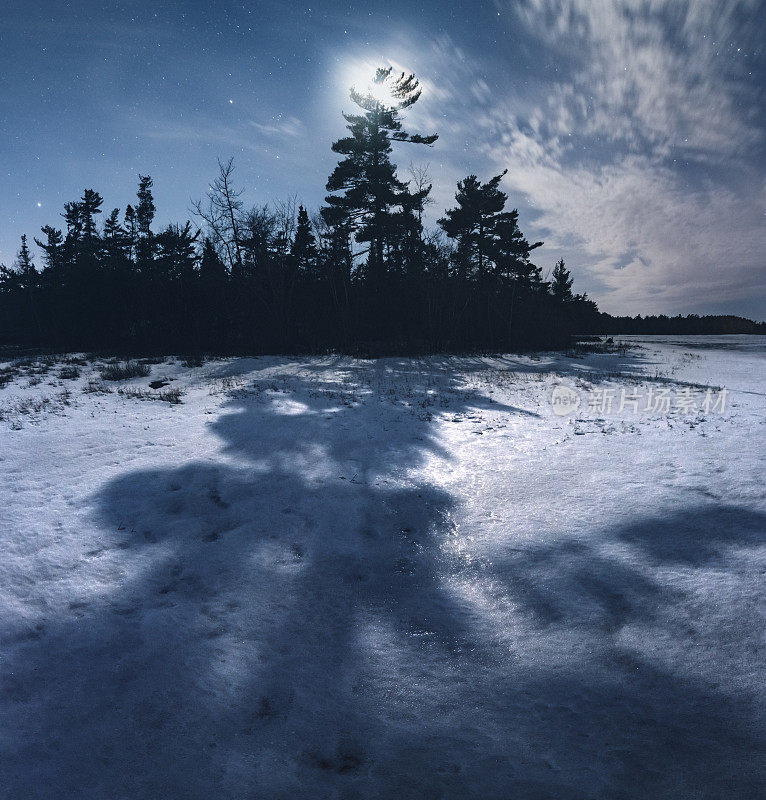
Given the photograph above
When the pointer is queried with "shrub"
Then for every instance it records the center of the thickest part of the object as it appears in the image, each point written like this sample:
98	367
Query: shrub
69	373
124	370
96	387
172	395
134	393
7	374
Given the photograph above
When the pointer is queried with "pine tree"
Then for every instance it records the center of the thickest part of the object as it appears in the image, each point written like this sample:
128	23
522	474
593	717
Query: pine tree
145	208
144	213
272	279
304	249
176	253
212	271
112	227
473	223
52	247
371	192
336	265
115	241
512	251
561	283
90	205
73	236
28	278
131	230
25	266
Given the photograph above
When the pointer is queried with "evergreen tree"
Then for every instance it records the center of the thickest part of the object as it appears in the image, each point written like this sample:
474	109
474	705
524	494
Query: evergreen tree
171	286
304	249
212	271
27	283
473	223
90	205
336	265
145	208
561	283
176	253
9	281
25	266
52	247
511	253
115	240
144	214
368	191
112	227
131	229
274	280
73	236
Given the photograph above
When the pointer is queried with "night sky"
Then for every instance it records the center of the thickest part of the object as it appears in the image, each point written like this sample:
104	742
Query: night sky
634	131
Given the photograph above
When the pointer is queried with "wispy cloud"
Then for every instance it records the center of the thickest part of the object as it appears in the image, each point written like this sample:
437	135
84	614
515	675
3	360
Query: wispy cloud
637	157
280	126
663	75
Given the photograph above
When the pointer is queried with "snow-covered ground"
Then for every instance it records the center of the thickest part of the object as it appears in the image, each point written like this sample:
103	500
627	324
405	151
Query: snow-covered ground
324	577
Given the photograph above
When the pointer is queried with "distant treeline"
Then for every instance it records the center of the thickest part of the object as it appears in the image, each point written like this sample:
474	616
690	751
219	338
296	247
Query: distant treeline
691	324
363	275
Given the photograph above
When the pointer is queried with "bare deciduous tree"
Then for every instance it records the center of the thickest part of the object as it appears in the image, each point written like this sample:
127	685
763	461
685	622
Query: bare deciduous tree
222	213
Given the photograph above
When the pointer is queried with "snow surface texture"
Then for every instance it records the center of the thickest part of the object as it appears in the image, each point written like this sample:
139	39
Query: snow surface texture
332	578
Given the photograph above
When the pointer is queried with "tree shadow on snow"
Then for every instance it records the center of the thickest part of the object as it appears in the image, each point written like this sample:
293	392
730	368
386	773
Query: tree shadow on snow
288	626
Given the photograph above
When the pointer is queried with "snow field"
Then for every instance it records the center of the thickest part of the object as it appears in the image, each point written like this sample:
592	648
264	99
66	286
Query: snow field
325	577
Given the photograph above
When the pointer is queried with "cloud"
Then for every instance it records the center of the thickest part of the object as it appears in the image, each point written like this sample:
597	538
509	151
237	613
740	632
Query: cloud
636	158
657	74
245	136
281	126
648	243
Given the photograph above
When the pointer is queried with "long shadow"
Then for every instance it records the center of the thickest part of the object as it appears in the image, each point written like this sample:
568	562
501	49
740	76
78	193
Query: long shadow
635	364
287	627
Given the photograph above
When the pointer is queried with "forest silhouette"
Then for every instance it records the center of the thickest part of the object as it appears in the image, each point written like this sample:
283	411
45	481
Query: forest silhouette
364	275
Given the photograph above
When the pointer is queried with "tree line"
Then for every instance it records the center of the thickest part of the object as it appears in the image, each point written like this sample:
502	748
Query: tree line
363	275
691	324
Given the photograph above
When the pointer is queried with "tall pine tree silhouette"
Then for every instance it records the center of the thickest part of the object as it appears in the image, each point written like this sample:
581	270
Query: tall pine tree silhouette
366	192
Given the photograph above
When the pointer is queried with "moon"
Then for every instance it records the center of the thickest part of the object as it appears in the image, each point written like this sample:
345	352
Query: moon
360	75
